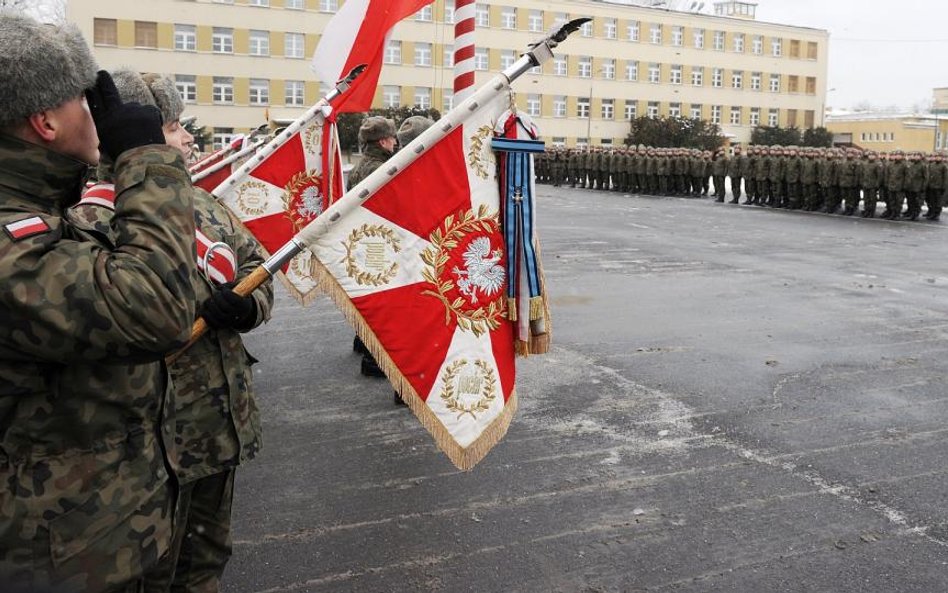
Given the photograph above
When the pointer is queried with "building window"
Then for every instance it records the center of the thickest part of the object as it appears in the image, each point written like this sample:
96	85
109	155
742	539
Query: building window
222	40
422	54
508	17
559	106
794	48
676	74
739	43
791	118
259	91
809	117
793	84
655	34
259	3
294	93
758	45
105	31
737	79
674	110
610	28
654	73
735	116
631	109
776	47
719	41
697	76
447	100
716	114
187	87
699	38
678	36
535	21
608	108
423	97
393	52
560	66
609	69
717	78
810	85
652	109
812	50
260	43
756	78
632	70
507	58
587	29
632	31
582	107
755	116
449	12
696	110
448	56
585	67
328	5
533	105
391	96
146	34
482	15
481	59
294	45
294	4
425	15
773	118
185	37
560	19
560	141
774	83
222	137
222	89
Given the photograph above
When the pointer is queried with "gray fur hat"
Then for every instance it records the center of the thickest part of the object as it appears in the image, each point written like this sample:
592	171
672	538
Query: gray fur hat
150	89
412	127
41	66
375	128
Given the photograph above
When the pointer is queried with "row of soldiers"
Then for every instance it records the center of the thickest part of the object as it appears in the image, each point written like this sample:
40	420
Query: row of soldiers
831	180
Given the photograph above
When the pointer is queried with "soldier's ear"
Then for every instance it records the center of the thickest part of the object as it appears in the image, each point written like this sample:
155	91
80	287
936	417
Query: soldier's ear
43	125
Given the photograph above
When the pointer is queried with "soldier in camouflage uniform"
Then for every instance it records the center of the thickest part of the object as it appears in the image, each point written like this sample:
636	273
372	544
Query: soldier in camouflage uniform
86	413
775	175
719	169
937	183
916	182
793	168
810	179
848	186
896	173
216	416
573	166
870	179
735	170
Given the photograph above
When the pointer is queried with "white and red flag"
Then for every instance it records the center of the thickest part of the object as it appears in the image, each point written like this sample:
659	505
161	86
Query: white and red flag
218	155
215	174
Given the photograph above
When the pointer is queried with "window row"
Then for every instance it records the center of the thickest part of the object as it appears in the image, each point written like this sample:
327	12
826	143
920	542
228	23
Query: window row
324	5
258	90
880	137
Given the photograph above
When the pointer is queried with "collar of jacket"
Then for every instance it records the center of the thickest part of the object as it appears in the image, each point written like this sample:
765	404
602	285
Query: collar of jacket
39	174
375	151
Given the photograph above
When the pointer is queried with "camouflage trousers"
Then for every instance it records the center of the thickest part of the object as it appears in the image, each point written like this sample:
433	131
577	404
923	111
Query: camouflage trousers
202	544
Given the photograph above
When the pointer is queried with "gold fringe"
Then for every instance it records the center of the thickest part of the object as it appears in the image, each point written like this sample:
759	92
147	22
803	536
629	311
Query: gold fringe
464	458
540	344
512	309
537	308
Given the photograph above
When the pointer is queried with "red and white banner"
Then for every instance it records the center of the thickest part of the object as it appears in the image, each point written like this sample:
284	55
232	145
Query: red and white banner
421	275
217	156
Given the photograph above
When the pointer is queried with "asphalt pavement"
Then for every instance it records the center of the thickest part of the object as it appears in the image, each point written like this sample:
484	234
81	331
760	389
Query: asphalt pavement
738	399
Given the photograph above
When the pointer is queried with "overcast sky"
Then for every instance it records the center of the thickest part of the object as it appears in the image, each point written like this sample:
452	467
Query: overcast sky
883	52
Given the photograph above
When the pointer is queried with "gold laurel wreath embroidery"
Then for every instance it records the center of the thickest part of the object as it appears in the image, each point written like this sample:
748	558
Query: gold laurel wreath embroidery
304	266
478	321
450	398
312	139
474	154
242	198
301	179
352	269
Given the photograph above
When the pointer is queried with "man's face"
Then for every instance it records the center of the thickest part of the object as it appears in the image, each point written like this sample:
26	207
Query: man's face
75	131
388	143
178	137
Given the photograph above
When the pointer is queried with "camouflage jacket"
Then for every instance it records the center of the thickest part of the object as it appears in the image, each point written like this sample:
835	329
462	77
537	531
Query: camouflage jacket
870	174
895	175
719	166
937	174
85	409
916	179
216	416
847	173
793	168
372	159
736	166
809	171
777	170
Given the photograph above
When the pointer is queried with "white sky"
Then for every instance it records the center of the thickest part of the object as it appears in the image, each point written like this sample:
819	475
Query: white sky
884	52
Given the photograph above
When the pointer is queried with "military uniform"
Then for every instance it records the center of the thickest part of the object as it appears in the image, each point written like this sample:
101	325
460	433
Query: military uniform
793	169
848	187
719	168
735	170
896	173
937	183
810	179
870	179
915	184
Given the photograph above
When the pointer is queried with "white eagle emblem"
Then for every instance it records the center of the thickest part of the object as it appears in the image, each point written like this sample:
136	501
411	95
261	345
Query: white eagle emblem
311	202
482	272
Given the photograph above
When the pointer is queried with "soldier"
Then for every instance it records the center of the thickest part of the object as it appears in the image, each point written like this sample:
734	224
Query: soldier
750	174
937	183
870	179
762	176
809	178
848	186
775	176
793	169
735	170
603	179
829	183
216	418
915	184
86	444
896	173
573	166
719	168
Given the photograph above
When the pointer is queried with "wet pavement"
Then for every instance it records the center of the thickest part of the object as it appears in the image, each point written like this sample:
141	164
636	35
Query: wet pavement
739	399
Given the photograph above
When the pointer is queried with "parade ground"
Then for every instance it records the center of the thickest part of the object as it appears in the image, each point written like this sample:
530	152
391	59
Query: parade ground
738	399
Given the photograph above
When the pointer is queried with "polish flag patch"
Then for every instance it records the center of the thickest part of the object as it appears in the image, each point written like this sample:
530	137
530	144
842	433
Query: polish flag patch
28	227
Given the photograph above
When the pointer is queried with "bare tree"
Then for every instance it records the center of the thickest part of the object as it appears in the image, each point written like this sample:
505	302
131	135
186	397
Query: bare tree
49	11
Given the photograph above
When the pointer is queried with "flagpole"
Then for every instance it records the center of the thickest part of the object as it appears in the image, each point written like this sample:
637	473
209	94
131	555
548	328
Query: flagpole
538	54
208	171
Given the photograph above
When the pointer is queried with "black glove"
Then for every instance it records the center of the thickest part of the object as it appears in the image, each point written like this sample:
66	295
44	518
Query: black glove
121	126
227	309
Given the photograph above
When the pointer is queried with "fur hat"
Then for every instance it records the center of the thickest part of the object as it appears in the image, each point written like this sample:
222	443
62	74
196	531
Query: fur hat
41	66
412	127
375	128
150	89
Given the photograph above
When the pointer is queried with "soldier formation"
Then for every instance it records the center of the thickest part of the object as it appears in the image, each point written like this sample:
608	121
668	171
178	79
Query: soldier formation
828	180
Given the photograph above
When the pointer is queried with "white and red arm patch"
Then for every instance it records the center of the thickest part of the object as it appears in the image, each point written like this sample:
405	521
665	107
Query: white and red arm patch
26	228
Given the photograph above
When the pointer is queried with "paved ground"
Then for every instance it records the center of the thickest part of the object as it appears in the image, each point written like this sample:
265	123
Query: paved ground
739	400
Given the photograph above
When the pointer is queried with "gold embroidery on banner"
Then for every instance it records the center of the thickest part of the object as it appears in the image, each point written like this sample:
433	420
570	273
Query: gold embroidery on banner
375	255
479	320
304	266
313	140
481	382
477	155
302	200
252	198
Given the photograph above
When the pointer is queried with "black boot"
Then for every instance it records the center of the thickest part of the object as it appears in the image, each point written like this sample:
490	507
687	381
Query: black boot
370	368
358	346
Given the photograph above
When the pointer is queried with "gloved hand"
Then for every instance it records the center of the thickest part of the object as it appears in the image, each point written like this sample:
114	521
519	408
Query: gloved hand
227	309
121	126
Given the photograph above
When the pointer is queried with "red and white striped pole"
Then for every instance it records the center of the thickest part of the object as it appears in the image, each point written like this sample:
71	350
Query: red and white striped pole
464	12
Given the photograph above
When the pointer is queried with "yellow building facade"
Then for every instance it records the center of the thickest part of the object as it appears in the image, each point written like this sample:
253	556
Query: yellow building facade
240	62
891	131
